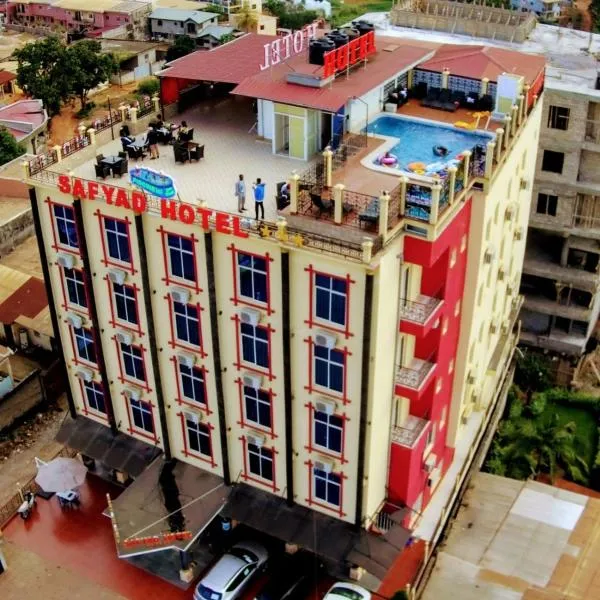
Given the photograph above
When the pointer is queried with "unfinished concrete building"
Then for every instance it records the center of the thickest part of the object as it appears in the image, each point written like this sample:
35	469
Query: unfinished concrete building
560	279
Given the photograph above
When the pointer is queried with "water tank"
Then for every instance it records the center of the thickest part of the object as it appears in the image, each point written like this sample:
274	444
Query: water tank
317	49
363	26
351	32
339	37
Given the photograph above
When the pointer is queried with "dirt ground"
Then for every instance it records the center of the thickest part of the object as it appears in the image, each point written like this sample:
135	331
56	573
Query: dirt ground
584	7
25	258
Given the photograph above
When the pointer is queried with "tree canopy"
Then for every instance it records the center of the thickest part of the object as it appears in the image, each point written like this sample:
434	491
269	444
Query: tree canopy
9	148
183	45
290	17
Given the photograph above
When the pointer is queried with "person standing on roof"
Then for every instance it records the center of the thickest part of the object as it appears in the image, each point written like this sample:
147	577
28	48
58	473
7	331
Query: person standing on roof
240	193
259	197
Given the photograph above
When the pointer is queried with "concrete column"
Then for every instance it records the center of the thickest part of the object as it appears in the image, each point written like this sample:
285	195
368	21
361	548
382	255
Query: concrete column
507	131
452	173
445	77
123	111
25	167
467	163
328	161
91	133
384	209
156	103
499	142
436	188
281	234
294	193
133	114
404	183
521	109
338	200
515	119
367	250
58	150
535	99
484	86
81	129
409	79
489	159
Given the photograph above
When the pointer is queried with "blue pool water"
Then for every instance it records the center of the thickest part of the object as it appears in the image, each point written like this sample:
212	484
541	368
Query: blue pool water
416	139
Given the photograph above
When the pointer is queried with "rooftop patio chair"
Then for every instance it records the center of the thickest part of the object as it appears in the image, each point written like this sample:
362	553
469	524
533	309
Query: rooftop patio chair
180	153
486	103
280	200
99	158
370	215
123	154
197	153
324	206
472	100
121	168
102	171
458	96
135	153
431	100
419	91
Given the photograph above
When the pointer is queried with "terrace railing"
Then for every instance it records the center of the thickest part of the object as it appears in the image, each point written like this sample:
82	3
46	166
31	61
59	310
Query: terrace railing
107	121
419	311
355	205
418	202
42	161
74	145
413	377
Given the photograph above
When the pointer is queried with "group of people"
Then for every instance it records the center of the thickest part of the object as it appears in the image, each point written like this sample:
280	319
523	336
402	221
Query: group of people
152	134
258	190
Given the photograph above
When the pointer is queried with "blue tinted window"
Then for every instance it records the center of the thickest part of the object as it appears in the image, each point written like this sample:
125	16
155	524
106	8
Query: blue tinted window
330	298
64	217
141	413
198	437
75	287
125	303
255	345
253	277
117	238
133	362
187	323
328	431
329	368
258	406
328	487
181	257
260	461
95	396
192	383
84	343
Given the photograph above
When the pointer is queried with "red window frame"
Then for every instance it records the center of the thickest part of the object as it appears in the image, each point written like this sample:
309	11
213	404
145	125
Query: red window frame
141	432
338	510
174	342
238	364
114	319
107	261
76	358
88	410
56	245
66	305
187	452
123	378
181	399
237	298
313	320
170	279
324	451
249	424
312	387
247	476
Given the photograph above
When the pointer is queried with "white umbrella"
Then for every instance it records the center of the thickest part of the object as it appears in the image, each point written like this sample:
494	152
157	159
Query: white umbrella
61	474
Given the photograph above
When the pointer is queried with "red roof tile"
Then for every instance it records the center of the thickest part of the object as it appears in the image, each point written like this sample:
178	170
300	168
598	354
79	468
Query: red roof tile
23	117
384	64
6	76
477	62
229	63
29	300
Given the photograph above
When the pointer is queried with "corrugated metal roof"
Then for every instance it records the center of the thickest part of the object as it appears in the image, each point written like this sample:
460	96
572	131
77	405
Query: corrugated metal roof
177	14
216	31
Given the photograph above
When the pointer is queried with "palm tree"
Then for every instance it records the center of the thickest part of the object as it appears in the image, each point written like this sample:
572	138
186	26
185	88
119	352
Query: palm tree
245	18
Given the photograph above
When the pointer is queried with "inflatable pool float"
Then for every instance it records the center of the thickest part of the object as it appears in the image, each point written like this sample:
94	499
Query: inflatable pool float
435	167
388	161
417	167
440	150
464	125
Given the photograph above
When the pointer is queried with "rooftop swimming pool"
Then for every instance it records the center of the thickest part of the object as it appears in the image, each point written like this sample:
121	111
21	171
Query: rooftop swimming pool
416	141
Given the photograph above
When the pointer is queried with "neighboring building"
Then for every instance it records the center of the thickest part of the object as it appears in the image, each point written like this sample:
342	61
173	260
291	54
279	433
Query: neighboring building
169	23
79	16
7	83
331	374
7	381
561	271
136	59
548	10
323	6
27	121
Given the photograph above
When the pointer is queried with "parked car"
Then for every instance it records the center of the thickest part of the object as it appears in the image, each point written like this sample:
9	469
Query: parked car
293	577
232	572
347	591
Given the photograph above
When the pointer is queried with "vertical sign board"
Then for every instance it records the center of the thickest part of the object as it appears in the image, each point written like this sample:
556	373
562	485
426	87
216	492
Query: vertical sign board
349	54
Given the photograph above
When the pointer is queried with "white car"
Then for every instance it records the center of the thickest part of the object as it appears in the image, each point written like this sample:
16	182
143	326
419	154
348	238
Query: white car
232	572
347	591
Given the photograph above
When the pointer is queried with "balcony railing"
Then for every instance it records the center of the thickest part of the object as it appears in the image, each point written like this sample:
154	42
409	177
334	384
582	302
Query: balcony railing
592	131
413	377
410	431
586	222
418	311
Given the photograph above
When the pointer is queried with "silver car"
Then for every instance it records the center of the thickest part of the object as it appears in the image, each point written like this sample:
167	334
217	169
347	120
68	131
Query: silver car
232	572
347	591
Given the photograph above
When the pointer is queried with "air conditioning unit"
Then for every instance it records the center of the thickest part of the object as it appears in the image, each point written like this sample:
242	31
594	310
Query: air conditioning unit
84	374
470	378
252	381
519	233
180	295
510	290
124	337
67	261
250	316
501	274
493	327
194	417
185	359
488	257
323	465
132	393
74	320
117	276
524	184
324	338
429	464
255	440
326	406
509	214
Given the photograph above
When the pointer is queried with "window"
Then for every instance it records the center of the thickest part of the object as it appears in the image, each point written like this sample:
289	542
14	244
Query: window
430	436
328	487
117	238
64	217
192	383
260	461
453	256
252	272
329	368
330	298
75	287
255	345
257	404
182	262
552	162
85	345
187	323
198	436
547	204
141	415
328	431
133	362
125	301
159	22
94	394
558	118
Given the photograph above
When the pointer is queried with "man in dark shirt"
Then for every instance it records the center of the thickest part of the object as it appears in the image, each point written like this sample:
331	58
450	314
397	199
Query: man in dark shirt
152	141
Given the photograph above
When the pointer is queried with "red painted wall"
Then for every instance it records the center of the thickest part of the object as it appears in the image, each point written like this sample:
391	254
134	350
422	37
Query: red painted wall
407	478
170	88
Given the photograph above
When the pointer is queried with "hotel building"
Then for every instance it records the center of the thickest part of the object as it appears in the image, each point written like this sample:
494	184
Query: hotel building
336	364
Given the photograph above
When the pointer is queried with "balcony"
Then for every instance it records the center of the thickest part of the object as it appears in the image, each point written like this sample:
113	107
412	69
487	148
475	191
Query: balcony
592	134
419	316
410	432
413	378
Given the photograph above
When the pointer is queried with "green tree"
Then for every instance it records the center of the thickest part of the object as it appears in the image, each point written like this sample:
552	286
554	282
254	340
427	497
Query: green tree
291	17
246	19
88	67
183	45
41	72
226	37
9	148
532	373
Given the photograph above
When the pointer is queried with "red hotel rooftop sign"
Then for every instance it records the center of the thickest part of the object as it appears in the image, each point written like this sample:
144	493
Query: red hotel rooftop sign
349	54
137	202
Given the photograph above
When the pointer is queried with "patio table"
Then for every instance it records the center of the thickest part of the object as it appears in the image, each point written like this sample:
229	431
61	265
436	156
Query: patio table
371	214
112	161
